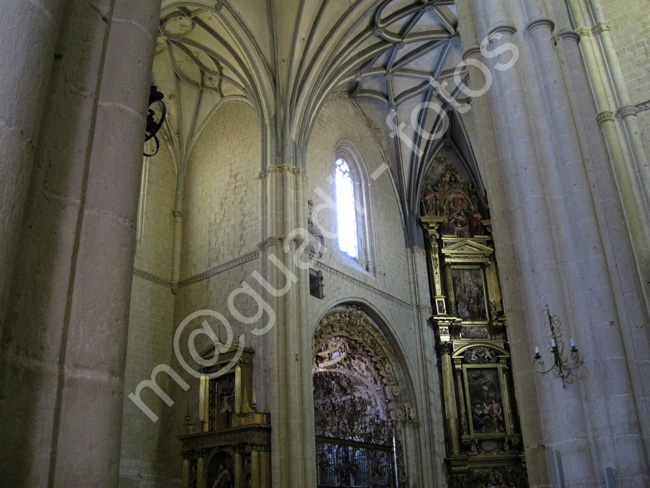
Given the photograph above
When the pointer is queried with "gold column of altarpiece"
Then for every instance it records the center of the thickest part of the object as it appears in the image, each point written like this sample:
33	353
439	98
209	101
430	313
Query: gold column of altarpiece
230	445
484	445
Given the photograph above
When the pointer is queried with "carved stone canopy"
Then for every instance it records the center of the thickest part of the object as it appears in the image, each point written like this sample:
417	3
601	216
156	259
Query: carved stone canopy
351	328
355	389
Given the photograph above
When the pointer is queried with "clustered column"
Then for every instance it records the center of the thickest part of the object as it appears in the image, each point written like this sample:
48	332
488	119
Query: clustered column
556	247
292	390
630	162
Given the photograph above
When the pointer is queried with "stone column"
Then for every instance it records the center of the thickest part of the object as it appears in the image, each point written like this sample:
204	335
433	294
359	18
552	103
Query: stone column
64	340
294	456
503	167
594	320
28	36
626	110
625	268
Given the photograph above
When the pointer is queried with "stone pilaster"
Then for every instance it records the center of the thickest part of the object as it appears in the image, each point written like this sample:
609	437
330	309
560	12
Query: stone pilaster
431	438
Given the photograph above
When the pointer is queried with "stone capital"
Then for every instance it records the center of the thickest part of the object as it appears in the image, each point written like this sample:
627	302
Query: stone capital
605	117
568	34
502	29
601	27
538	23
627	110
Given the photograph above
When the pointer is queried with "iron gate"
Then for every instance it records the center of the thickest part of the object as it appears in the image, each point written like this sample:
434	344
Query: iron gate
343	463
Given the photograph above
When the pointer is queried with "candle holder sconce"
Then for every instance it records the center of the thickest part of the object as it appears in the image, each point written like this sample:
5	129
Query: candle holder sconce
560	365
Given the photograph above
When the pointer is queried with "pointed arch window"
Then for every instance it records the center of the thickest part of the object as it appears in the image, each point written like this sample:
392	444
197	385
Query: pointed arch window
346	210
354	224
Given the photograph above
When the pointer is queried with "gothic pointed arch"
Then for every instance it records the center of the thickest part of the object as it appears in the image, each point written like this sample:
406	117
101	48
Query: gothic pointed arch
359	405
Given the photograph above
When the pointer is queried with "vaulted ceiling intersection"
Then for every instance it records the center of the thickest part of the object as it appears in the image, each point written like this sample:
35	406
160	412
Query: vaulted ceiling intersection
287	57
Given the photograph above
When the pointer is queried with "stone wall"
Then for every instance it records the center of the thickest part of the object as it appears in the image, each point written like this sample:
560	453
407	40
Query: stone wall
222	191
150	322
221	234
387	287
388	291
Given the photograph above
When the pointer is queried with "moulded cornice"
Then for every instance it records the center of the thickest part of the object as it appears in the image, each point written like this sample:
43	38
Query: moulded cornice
282	168
641	107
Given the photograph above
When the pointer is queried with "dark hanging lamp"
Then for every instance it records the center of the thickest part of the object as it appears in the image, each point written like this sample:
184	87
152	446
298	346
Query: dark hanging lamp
155	117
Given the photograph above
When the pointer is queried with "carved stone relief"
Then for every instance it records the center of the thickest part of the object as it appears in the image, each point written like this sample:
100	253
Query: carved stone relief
357	415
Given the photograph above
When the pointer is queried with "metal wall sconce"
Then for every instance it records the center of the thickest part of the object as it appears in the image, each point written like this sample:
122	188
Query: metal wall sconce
561	366
155	119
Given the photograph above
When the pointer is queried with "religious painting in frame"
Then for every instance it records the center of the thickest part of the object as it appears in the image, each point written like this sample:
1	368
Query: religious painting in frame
484	396
468	285
441	309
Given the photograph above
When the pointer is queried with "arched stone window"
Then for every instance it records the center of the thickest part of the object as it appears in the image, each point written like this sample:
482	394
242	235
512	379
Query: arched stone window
346	216
353	207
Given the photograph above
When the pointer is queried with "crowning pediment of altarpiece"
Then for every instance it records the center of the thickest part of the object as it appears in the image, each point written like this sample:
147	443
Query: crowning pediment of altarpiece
466	250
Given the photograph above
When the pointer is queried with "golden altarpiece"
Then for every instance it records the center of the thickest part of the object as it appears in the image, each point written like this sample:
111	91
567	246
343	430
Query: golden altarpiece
484	445
230	445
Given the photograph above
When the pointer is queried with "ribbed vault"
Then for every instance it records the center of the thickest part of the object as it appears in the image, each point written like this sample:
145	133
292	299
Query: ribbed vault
287	57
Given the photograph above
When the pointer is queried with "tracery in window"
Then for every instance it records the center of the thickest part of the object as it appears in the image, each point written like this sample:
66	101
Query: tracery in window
348	236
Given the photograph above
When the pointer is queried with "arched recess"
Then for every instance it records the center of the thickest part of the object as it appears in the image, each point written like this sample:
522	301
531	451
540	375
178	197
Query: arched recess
360	407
